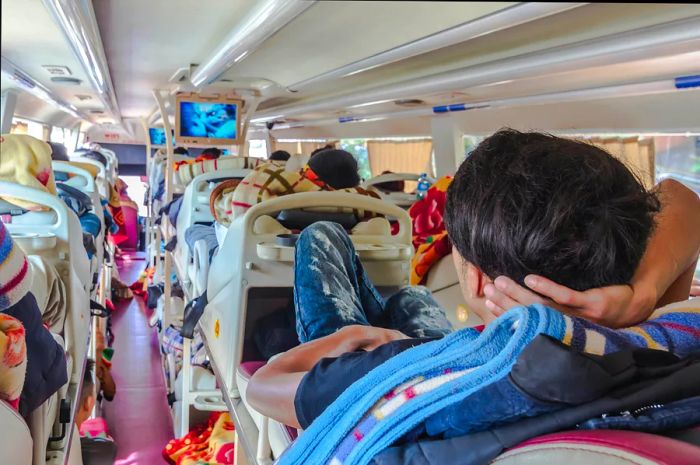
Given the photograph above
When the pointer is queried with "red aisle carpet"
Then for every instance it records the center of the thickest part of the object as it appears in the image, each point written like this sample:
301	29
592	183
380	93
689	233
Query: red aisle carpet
138	418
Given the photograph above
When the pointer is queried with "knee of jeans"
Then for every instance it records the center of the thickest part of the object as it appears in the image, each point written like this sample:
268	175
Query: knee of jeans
322	232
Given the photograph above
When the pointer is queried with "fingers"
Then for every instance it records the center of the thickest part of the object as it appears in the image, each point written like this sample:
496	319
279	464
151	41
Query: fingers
558	293
497	301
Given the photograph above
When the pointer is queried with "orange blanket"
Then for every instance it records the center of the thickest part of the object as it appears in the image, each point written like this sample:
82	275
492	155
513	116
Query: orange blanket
207	444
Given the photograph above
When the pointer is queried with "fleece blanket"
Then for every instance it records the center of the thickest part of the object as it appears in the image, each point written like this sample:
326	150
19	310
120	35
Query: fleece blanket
186	171
269	181
26	160
405	390
13	359
429	236
207	444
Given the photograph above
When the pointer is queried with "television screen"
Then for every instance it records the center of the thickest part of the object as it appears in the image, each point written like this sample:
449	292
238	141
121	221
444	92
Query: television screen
207	121
157	136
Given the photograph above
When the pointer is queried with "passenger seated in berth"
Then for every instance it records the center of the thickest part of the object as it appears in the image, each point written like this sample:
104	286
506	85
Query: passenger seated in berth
46	361
96	445
212	153
58	152
181	151
279	155
327	170
521	203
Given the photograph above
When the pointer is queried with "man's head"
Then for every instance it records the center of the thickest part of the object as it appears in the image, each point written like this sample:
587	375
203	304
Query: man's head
532	203
87	395
337	168
280	155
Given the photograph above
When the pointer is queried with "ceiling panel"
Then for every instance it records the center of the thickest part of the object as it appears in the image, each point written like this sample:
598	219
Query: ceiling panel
147	41
335	33
30	39
583	23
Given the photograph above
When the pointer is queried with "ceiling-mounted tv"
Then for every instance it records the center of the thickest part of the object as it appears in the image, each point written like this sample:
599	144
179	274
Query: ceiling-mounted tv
157	136
207	121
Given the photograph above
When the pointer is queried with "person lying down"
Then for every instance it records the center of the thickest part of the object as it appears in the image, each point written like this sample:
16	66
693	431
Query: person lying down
521	204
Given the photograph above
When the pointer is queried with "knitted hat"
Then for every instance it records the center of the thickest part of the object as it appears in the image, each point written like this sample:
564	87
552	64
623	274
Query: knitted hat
26	160
14	277
337	168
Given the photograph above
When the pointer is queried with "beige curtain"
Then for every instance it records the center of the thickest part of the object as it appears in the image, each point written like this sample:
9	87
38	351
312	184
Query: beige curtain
411	156
301	147
637	154
291	147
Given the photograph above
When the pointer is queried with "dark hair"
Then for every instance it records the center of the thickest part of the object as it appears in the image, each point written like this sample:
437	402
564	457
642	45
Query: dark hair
58	152
526	203
337	168
212	152
390	186
321	149
88	379
181	151
280	155
97	156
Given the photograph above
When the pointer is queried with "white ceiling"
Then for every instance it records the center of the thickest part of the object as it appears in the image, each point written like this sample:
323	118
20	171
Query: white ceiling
146	42
30	39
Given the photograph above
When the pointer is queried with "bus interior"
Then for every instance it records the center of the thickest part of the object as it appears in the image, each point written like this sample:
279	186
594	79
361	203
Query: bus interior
194	194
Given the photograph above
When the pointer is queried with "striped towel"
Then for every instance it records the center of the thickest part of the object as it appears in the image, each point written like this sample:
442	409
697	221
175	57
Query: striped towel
401	393
14	277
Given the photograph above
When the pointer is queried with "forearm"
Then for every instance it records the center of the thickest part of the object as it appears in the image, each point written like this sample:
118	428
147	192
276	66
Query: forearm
272	389
672	249
303	357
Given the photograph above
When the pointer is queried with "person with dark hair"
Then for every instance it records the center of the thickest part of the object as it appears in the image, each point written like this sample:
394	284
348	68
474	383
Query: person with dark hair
337	168
181	151
58	152
322	149
279	155
212	153
521	203
326	171
97	446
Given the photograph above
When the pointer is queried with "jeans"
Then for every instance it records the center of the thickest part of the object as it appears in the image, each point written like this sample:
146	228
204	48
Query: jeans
332	290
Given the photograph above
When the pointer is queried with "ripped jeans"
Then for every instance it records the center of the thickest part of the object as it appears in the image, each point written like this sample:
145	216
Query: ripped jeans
331	290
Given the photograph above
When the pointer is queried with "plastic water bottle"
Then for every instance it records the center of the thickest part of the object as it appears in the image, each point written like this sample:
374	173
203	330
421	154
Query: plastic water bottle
423	186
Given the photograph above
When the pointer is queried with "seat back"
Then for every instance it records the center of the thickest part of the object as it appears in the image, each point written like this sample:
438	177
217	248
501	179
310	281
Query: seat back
251	274
15	441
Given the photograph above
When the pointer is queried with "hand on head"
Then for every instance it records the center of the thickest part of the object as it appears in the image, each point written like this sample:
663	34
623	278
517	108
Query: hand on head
606	305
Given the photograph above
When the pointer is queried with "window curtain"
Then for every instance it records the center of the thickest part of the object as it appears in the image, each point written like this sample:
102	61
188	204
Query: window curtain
411	156
301	147
637	154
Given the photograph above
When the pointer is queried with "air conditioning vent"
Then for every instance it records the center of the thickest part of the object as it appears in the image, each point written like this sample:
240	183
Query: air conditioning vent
56	70
82	97
410	102
66	80
97	112
26	81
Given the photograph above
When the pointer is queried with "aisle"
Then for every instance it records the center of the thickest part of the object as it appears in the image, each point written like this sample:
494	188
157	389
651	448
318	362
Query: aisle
138	418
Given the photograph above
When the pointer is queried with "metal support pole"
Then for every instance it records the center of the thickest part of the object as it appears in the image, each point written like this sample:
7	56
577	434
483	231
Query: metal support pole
448	145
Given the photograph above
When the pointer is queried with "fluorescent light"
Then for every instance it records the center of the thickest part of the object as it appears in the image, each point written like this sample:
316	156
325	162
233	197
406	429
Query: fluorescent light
367	104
